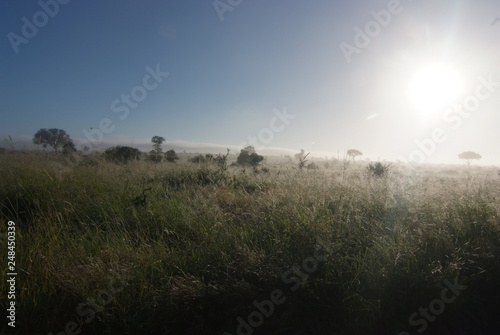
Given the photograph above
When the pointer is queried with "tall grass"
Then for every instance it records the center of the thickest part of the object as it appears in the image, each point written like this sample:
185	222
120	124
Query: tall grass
208	243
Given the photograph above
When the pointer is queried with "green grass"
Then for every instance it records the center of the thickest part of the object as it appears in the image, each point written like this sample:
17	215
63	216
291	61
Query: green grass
209	243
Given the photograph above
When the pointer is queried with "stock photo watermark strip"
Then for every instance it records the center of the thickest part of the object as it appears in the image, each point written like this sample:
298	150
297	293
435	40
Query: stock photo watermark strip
11	274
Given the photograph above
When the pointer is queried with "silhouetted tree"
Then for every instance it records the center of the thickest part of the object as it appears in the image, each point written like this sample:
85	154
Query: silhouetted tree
353	153
155	155
53	137
469	156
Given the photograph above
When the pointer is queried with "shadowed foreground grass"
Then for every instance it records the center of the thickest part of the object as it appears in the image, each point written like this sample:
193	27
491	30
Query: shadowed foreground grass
318	252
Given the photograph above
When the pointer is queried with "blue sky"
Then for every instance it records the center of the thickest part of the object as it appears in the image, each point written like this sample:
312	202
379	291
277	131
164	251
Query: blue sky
229	79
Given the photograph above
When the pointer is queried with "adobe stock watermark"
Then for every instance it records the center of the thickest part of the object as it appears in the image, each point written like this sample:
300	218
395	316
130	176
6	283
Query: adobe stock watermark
372	29
454	117
89	309
265	136
29	29
297	275
223	6
125	103
436	307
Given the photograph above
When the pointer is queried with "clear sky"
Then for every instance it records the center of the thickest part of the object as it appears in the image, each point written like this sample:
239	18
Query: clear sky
324	76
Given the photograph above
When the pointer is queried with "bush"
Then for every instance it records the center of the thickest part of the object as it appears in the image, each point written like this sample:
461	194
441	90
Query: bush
248	156
69	148
253	159
378	169
171	156
154	156
220	160
121	154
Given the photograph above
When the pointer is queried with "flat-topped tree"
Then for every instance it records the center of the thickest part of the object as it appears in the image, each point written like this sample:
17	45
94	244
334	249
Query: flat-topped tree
353	153
469	156
53	137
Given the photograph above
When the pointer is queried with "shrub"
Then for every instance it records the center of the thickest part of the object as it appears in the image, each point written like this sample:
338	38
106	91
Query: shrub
248	156
171	156
154	156
69	148
221	161
378	169
302	160
121	154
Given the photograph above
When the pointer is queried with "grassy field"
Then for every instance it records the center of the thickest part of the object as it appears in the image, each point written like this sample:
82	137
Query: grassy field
279	251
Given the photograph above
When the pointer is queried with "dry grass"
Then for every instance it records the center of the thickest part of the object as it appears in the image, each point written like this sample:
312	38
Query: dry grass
208	243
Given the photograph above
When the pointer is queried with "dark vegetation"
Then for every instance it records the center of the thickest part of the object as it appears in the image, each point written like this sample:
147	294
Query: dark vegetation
187	248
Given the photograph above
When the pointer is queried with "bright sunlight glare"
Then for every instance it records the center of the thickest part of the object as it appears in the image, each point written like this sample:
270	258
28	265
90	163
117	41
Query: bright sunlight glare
433	88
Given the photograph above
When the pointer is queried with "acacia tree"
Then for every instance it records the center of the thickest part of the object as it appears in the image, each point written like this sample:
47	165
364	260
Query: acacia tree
353	153
53	137
469	156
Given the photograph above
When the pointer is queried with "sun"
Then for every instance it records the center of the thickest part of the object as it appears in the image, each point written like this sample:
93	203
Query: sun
434	87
